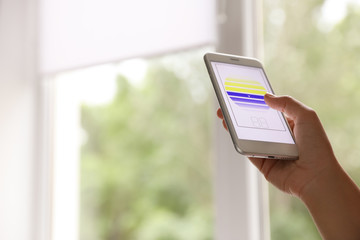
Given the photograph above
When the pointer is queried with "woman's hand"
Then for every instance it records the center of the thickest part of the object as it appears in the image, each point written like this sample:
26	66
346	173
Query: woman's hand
332	198
315	151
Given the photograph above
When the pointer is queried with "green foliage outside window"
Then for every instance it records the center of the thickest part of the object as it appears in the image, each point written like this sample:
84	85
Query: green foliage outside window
320	67
145	167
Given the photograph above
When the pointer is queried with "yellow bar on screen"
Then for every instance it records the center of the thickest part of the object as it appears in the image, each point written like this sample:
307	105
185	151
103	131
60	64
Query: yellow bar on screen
244	85
244	90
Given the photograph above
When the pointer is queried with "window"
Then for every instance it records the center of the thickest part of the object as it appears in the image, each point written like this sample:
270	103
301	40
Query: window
145	159
53	38
77	153
313	45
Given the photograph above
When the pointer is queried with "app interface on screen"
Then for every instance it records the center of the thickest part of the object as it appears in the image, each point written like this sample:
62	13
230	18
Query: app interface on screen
243	89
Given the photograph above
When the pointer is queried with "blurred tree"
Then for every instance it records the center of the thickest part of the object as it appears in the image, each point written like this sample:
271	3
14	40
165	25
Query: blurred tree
318	66
145	167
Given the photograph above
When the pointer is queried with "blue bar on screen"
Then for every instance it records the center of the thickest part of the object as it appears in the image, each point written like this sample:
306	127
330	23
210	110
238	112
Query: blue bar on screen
247	100
237	94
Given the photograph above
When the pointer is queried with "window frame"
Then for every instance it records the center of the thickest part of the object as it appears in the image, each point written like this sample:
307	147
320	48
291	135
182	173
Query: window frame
239	31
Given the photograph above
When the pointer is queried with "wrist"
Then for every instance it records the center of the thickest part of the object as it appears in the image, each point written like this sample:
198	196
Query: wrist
322	183
333	201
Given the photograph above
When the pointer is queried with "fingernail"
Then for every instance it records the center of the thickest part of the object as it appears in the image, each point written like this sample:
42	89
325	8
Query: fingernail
270	95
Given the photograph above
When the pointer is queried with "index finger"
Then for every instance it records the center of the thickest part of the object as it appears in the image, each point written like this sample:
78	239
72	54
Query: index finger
286	104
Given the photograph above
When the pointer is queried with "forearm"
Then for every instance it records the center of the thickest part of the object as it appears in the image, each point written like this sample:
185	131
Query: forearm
333	200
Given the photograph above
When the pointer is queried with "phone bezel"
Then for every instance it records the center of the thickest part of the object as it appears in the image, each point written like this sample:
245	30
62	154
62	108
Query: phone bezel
248	148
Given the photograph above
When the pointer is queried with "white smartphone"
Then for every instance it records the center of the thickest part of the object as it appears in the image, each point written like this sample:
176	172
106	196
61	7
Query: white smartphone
256	130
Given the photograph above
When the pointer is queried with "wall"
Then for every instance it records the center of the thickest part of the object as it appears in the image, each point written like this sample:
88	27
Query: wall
17	108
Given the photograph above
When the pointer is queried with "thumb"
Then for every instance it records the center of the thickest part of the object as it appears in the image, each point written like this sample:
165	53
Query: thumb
286	104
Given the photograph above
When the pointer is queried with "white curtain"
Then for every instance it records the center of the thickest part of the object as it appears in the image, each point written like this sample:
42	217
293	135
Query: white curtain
77	33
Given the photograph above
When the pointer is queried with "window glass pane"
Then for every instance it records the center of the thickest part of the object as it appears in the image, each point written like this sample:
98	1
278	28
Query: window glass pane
146	153
311	52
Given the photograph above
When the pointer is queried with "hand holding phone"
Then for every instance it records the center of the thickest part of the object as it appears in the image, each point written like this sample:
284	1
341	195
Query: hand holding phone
256	130
316	177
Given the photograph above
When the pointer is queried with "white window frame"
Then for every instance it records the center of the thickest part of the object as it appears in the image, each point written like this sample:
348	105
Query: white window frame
240	193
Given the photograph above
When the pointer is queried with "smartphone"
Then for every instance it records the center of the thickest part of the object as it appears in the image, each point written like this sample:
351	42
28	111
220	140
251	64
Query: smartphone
257	130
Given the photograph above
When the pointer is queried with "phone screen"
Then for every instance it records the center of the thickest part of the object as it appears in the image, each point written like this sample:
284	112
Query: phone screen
243	89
